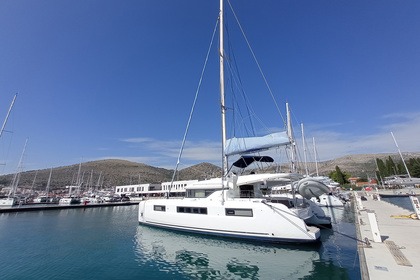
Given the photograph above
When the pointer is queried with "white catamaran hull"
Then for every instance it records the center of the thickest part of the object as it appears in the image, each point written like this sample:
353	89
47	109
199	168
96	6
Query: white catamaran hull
252	219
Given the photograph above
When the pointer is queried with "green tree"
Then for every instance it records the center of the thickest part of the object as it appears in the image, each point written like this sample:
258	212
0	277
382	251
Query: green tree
390	166
383	172
339	176
415	171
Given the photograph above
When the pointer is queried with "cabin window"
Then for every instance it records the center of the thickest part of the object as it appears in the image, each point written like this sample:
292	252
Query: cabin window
159	208
285	202
246	191
238	212
193	210
199	193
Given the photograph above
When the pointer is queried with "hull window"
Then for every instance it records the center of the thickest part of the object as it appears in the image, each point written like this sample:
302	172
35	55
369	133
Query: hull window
159	208
192	210
239	212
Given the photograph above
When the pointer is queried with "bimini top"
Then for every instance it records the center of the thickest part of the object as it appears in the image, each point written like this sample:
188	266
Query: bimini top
248	145
245	161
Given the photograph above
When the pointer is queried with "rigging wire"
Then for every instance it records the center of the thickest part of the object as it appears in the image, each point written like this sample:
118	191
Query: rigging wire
256	61
194	103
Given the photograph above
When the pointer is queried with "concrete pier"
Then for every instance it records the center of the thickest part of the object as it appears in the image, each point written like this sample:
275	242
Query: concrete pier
396	252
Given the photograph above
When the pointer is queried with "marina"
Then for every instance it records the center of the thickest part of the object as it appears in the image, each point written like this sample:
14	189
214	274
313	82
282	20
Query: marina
108	243
217	219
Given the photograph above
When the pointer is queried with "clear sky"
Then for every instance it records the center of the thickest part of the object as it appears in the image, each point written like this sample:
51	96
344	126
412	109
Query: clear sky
116	79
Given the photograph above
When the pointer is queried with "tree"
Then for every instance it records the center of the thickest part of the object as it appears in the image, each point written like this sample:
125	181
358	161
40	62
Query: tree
338	176
381	168
390	166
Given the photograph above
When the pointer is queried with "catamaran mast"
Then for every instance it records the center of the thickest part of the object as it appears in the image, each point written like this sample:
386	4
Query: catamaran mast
222	91
292	141
304	150
7	116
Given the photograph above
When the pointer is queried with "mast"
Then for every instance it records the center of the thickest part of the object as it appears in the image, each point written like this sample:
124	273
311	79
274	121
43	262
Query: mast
49	181
292	141
18	171
99	180
33	182
7	116
304	150
222	91
316	159
406	168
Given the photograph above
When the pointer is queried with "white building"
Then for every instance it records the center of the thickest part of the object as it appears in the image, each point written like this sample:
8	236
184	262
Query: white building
176	188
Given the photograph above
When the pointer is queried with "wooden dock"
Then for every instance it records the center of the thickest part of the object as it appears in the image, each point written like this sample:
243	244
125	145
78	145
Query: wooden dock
396	252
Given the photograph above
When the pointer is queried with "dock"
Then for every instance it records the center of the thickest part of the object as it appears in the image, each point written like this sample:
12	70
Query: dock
391	241
35	207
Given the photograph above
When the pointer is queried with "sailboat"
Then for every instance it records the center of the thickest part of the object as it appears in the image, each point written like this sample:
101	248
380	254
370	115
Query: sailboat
404	180
215	207
10	200
6	202
72	198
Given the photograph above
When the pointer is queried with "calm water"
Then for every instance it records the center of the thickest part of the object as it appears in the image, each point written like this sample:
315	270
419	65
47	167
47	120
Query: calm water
108	243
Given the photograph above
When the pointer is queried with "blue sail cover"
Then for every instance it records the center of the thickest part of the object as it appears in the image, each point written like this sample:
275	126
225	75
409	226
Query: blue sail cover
235	146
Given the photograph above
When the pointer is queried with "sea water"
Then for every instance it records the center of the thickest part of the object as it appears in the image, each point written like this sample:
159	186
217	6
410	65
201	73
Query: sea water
108	243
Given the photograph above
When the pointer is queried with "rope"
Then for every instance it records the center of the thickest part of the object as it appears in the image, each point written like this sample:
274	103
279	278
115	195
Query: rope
343	234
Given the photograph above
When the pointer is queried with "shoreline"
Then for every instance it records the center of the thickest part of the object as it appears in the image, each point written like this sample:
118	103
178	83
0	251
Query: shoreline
27	208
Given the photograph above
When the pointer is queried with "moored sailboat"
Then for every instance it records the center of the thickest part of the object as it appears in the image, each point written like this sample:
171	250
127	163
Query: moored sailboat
215	207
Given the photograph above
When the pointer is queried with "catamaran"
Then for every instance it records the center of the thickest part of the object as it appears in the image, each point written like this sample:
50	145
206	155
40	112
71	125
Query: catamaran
215	206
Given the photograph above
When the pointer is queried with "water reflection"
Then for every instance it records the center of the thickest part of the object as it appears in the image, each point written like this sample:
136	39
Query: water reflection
199	257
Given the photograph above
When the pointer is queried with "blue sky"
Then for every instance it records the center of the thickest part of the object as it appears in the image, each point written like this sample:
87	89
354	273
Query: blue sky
116	79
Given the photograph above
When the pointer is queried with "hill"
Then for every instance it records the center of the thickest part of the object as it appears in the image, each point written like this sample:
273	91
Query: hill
113	172
361	164
107	173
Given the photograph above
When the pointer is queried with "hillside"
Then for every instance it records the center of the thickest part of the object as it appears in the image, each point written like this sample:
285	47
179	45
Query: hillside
108	173
113	172
359	165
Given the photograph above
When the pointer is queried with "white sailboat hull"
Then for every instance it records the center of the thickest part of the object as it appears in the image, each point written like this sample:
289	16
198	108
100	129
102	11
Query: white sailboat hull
7	202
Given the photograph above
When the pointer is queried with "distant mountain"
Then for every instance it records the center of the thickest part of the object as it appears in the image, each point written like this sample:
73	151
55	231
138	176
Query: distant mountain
108	173
362	164
200	171
113	172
